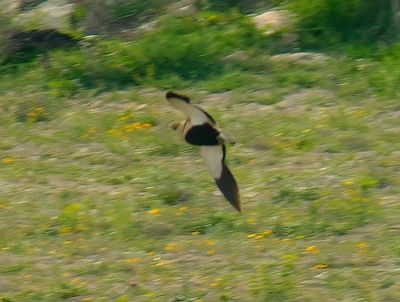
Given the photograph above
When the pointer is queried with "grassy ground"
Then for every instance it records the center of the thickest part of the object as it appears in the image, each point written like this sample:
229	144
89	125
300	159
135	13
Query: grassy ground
100	201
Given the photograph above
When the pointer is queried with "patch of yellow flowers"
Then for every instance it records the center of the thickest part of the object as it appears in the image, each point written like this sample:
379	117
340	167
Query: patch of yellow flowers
154	211
122	131
8	160
312	249
36	114
260	235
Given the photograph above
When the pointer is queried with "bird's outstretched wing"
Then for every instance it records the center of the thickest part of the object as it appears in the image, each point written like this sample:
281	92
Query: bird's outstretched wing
214	157
196	115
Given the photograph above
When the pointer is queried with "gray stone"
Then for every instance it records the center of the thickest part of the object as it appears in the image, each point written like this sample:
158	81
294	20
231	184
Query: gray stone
273	21
48	15
295	102
236	57
303	58
184	8
9	6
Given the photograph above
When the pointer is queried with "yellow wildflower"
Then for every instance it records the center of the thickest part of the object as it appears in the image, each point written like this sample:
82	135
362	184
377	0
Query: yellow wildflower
131	127
171	247
289	258
161	262
260	235
114	132
320	266
35	114
209	242
181	211
136	126
4	206
146	126
154	211
126	116
348	182
8	160
360	112
266	233
210	252
132	260
65	230
217	282
77	281
31	115
362	246
251	220
312	249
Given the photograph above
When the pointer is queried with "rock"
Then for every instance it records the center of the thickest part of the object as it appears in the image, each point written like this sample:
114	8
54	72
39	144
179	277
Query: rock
26	5
8	6
236	57
220	98
255	107
148	27
303	58
294	101
273	21
48	15
184	8
133	283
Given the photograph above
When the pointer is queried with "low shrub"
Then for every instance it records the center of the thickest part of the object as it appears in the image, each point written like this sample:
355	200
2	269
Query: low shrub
188	48
323	22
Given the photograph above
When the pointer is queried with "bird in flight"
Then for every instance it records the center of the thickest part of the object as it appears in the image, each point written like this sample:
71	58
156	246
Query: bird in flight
200	129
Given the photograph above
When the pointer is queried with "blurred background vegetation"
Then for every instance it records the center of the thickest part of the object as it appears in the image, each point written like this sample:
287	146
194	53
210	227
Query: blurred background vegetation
192	38
189	47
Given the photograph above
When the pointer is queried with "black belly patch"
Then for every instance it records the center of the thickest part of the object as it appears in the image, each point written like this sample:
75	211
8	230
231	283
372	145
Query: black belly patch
202	135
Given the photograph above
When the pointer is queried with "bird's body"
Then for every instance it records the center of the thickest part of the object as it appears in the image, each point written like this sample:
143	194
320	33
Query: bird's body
200	129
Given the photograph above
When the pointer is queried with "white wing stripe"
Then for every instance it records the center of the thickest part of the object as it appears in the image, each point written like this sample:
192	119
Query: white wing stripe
212	156
197	116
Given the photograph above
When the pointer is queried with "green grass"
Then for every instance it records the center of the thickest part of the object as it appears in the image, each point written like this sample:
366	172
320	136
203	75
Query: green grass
100	201
332	22
95	212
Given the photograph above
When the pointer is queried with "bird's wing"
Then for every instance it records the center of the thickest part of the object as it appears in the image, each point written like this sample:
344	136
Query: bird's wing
196	115
214	157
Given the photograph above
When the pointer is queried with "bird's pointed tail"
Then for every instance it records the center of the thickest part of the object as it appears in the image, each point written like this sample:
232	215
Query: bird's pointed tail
228	186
